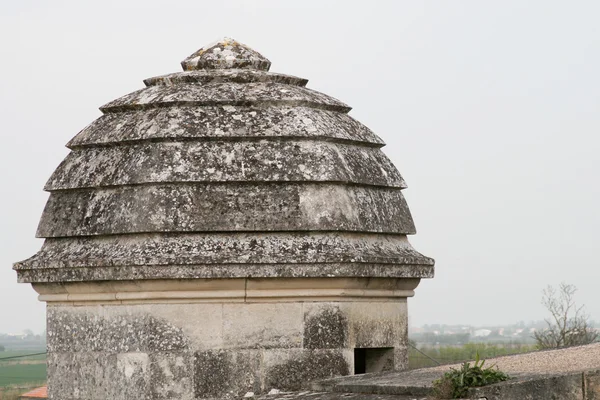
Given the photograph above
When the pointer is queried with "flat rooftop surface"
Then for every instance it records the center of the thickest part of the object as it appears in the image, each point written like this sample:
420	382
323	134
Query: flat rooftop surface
547	362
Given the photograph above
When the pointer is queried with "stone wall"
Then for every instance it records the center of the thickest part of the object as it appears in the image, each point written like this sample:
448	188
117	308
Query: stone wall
220	350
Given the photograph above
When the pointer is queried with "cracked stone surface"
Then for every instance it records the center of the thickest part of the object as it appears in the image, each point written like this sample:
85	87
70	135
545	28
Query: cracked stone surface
224	75
232	123
243	94
249	161
225	170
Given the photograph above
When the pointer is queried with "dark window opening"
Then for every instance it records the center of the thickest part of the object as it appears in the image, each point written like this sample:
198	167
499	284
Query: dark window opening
359	361
374	359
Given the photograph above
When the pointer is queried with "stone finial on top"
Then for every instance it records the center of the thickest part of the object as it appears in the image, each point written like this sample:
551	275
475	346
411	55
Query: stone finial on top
227	53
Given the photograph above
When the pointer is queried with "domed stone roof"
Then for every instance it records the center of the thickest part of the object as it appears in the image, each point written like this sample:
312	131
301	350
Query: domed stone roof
225	170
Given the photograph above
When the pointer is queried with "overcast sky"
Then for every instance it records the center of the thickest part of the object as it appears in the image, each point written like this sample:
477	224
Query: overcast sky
490	110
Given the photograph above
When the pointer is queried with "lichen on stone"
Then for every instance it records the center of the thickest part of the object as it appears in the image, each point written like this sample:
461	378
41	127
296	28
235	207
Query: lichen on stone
235	170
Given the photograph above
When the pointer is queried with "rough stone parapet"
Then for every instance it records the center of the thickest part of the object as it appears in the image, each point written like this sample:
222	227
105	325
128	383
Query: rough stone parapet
565	374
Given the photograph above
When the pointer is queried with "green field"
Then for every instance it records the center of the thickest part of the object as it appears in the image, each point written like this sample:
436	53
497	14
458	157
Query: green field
457	354
17	375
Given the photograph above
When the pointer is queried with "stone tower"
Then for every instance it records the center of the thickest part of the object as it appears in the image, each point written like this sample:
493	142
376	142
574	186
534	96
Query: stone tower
223	230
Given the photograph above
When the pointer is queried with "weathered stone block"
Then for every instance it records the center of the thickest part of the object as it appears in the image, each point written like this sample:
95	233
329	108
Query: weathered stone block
124	332
172	376
73	331
132	378
224	94
111	329
225	122
591	382
273	161
325	327
378	323
163	336
226	374
201	207
553	387
83	375
293	369
401	357
201	324
262	325
176	257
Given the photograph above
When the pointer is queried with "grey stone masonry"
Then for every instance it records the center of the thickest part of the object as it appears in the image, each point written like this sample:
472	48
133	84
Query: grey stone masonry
223	157
223	230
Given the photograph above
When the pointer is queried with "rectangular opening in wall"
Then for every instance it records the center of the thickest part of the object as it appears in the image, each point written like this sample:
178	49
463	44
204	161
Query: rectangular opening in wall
373	359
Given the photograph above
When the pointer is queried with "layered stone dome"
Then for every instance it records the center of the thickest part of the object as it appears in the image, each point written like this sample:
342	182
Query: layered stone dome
225	170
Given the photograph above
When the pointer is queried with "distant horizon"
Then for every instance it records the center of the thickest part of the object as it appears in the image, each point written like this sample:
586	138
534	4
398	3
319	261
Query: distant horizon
593	323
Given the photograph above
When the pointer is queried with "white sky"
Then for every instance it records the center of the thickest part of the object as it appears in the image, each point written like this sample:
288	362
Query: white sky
490	110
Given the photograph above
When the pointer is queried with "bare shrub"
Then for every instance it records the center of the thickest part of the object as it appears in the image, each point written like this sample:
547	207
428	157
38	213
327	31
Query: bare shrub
568	324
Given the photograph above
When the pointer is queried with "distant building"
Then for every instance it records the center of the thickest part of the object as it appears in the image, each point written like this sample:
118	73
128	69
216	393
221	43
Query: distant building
482	333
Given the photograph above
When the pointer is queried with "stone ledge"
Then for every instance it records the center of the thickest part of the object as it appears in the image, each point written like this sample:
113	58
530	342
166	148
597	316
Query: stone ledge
567	386
226	290
224	271
583	385
331	396
562	374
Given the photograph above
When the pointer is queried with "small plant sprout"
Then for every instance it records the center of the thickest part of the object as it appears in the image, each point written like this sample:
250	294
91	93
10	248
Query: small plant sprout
455	384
